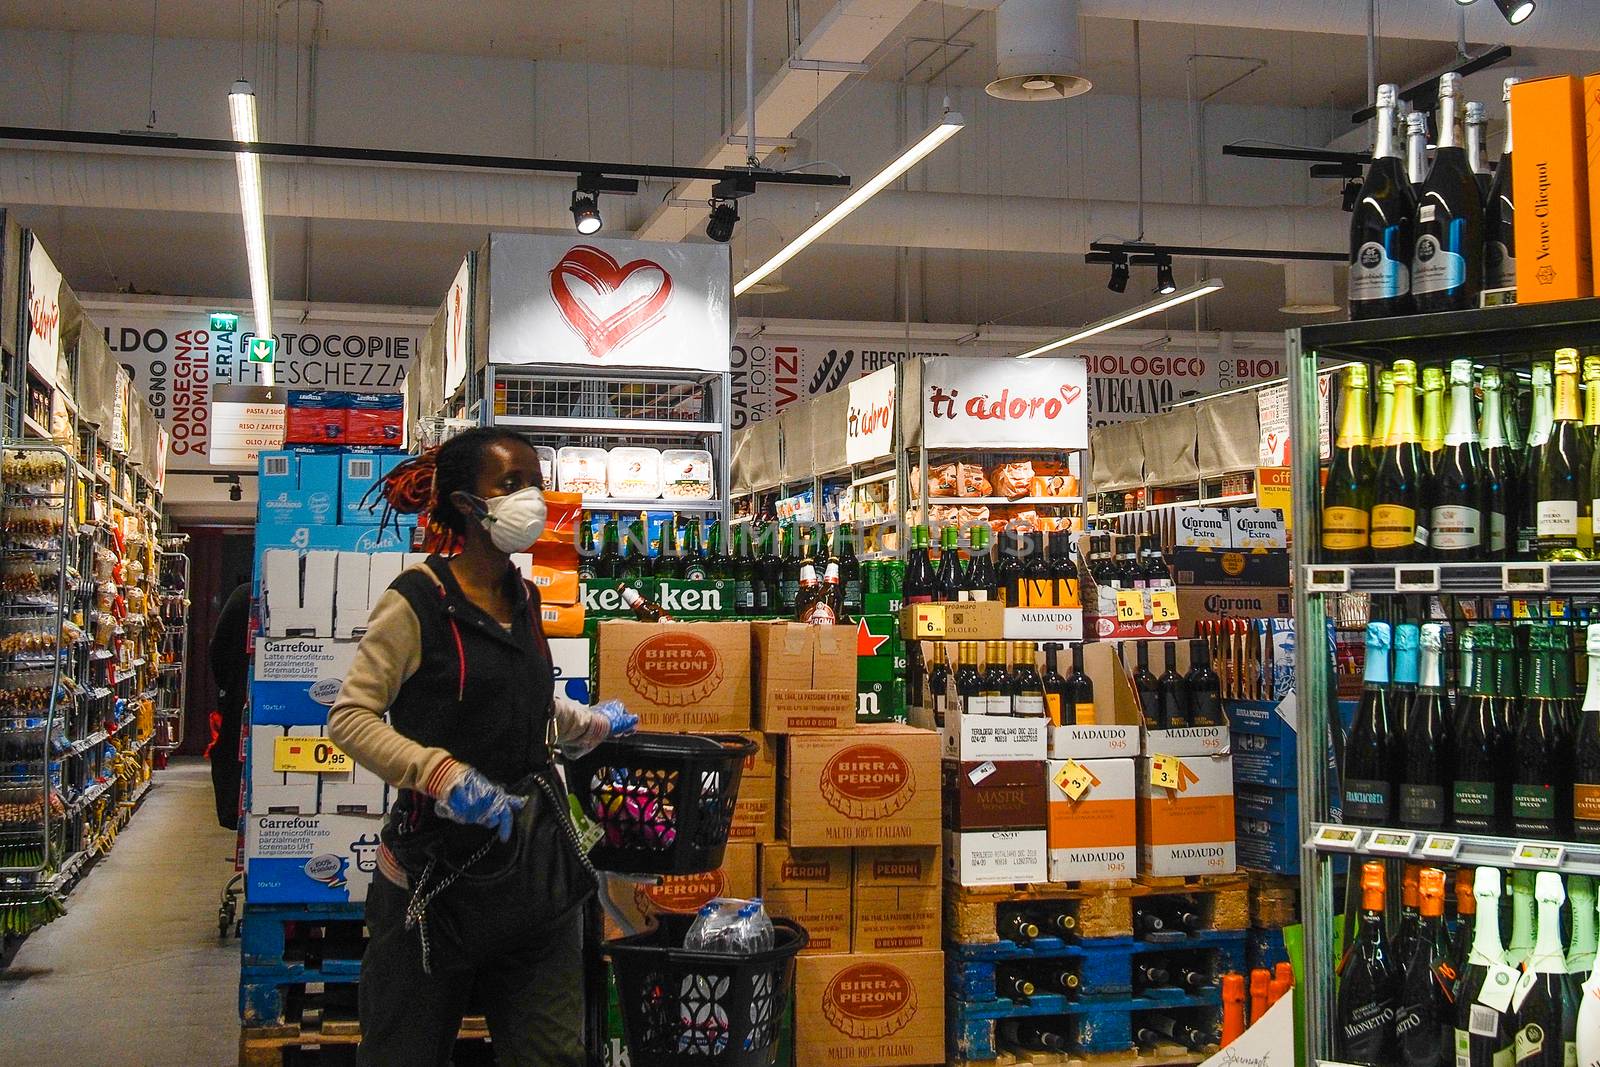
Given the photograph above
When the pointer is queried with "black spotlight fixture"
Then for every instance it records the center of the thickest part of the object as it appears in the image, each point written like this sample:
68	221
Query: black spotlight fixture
1119	275
585	211
1165	286
1515	11
724	217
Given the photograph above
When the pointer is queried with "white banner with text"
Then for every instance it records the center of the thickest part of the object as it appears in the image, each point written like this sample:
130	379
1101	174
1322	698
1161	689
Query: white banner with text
1036	403
869	426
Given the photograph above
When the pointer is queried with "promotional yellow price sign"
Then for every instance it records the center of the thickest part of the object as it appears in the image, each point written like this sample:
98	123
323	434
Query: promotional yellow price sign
309	755
1166	772
1163	606
929	621
1074	779
1130	605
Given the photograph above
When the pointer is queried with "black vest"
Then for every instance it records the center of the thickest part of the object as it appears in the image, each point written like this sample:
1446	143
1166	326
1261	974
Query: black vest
482	693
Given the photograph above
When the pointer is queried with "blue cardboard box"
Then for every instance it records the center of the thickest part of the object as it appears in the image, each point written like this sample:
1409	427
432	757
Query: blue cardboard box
1267	828
359	472
310	859
1265	745
298	488
319	484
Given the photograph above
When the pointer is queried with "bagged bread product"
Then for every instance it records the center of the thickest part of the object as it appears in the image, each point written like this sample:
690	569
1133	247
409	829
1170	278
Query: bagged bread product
633	473
1012	480
943	480
581	470
971	481
686	474
547	465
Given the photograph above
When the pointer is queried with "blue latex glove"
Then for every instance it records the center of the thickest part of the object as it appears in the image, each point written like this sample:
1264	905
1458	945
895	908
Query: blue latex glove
476	801
618	721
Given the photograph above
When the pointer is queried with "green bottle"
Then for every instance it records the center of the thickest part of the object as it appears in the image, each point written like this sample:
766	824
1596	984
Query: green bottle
718	563
1564	505
635	564
610	561
588	558
669	560
1346	498
696	568
1432	416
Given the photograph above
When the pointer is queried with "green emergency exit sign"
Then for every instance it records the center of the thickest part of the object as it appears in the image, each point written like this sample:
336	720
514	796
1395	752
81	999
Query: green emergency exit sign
262	349
224	322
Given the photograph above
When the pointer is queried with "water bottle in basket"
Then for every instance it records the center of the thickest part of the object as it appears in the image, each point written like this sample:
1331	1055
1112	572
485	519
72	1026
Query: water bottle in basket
731	927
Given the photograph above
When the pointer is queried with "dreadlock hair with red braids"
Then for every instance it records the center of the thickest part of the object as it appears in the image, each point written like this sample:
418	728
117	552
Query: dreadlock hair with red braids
422	486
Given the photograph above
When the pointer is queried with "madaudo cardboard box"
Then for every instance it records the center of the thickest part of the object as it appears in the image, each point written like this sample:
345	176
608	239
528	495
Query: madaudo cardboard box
690	676
685	894
805	676
1117	722
870	1010
1179	740
1187	829
994	795
896	899
1550	173
871	785
1093	833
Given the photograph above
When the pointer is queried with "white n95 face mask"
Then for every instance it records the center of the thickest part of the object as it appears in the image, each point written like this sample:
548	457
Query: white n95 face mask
516	520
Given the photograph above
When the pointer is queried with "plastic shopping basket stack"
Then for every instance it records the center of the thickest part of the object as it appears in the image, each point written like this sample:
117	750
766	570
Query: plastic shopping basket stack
663	804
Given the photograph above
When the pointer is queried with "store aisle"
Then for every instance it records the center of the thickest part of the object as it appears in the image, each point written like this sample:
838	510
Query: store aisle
135	973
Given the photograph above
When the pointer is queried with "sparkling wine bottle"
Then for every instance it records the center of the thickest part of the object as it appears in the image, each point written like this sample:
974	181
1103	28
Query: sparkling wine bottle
1496	470
1447	261
1541	793
1425	1023
1369	988
1371	751
1428	758
1586	756
1458	492
1546	1000
1564	502
1432	390
1347	494
1499	216
1483	1033
1539	424
1581	950
1479	744
1399	523
1380	226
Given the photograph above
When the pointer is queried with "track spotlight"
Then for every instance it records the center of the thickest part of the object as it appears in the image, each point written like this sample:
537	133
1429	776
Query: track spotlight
585	211
1164	283
1466	3
1515	11
1351	195
1119	275
724	217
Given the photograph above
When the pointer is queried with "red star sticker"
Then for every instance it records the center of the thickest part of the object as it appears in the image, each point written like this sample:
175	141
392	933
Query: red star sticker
867	643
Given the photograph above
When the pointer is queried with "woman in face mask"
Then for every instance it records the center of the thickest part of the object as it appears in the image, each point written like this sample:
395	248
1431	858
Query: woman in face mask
476	899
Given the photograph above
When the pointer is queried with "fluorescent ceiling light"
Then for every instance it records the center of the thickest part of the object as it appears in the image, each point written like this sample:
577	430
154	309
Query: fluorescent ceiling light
242	110
938	134
1182	296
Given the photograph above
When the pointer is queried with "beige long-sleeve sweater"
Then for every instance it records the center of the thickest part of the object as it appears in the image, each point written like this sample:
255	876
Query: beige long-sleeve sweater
387	656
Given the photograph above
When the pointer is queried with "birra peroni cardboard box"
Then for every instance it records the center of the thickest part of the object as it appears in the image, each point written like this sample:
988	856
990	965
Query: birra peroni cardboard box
684	676
871	785
869	1009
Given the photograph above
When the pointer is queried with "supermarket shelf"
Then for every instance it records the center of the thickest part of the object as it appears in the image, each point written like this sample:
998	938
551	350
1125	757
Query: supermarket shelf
1475	850
1480	332
1482	579
26	886
873	479
1005	500
79	747
32	425
1231	498
91	795
605	503
600	427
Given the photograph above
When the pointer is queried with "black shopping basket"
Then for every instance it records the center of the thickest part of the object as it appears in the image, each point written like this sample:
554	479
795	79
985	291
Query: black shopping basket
702	1008
663	802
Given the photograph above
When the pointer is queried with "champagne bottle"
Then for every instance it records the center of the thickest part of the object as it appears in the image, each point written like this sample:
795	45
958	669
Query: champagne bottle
1588	1037
1499	218
1371	752
1546	1000
1410	912
1346	496
1538	433
1586	758
1369	989
1428	771
1416	159
1496	470
1447	262
1479	749
1382	421
1542	751
1398	522
1461	941
1380	226
1424	1025
1483	1034
1520	945
1477	146
1565	506
1432	418
1457	498
1580	952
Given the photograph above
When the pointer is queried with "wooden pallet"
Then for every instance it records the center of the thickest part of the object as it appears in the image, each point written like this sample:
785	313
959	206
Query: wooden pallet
328	1041
1102	909
1274	900
1155	1058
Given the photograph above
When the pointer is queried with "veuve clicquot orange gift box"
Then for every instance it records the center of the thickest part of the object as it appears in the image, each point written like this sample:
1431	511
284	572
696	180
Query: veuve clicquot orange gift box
1551	185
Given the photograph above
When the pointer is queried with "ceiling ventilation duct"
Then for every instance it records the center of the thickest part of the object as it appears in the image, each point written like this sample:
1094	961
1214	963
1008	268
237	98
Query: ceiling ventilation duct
1037	53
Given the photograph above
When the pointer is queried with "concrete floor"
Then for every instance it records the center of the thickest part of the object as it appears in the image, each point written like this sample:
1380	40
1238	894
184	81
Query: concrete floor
134	973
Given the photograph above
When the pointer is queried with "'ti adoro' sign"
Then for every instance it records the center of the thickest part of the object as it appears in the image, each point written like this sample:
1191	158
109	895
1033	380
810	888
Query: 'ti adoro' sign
1005	403
869	428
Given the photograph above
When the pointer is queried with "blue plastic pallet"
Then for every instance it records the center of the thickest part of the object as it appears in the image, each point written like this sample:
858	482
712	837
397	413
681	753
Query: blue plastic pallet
972	1031
266	969
1265	948
1104	965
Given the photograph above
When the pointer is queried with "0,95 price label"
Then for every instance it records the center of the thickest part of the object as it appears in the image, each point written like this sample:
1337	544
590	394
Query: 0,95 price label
1539	854
309	755
1392	842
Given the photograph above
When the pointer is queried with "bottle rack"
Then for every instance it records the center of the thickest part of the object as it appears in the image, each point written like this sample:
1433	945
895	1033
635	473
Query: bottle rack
172	683
1510	336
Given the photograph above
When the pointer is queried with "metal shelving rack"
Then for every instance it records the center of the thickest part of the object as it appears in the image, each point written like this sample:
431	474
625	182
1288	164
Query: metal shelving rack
1507	335
172	679
558	406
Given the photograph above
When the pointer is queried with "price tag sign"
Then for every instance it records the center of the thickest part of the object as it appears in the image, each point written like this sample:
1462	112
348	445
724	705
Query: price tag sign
1130	605
980	772
1498	985
1163	606
1525	577
1441	846
1337	838
1539	854
1416	579
309	755
929	621
1327	579
1392	842
1166	772
1074	779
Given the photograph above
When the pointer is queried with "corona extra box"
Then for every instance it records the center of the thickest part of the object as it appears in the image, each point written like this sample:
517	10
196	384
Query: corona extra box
685	676
873	785
878	1009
